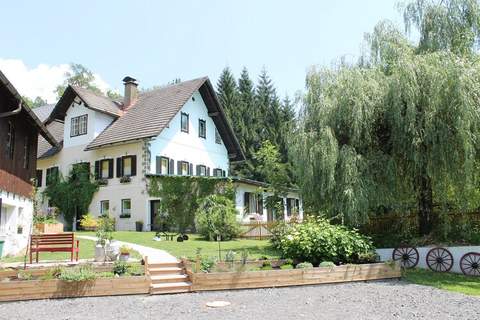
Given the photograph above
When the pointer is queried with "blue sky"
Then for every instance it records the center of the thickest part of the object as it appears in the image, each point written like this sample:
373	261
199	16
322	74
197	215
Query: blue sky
157	41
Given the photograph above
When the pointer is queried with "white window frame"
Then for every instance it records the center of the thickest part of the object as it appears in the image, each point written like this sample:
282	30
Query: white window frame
124	210
78	125
102	211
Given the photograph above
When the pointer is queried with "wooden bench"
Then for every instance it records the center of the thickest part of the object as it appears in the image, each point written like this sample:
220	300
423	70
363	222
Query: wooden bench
54	242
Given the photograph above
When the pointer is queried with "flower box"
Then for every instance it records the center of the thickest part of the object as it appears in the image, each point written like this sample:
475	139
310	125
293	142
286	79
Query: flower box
49	227
102	182
125	179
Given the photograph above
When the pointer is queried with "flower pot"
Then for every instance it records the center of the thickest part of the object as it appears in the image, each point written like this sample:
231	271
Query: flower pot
90	228
124	257
139	226
99	253
113	249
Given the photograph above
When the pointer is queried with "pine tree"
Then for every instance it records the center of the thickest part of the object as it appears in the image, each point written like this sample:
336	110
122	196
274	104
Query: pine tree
228	96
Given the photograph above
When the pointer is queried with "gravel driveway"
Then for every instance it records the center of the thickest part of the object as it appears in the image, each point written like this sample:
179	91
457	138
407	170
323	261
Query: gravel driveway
391	299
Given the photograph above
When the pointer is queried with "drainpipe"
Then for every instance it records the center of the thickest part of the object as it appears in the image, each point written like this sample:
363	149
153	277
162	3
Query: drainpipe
12	113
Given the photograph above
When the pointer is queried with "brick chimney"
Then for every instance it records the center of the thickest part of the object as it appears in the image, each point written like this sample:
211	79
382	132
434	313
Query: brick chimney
131	91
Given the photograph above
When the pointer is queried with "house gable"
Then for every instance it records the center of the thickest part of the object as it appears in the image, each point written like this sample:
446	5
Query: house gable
194	146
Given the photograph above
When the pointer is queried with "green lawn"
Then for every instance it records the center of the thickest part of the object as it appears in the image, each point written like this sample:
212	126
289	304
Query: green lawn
87	251
446	281
256	248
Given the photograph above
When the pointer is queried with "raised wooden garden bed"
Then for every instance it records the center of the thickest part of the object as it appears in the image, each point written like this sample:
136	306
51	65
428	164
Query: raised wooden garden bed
49	227
280	278
47	289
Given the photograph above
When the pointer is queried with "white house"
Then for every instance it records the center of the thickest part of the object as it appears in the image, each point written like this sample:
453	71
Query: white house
178	129
19	130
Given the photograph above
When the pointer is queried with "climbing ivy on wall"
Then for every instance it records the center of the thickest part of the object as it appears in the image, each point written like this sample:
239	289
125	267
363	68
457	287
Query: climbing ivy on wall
181	195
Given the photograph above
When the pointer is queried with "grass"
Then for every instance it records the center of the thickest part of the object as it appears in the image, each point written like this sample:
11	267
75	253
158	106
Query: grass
255	248
87	251
446	281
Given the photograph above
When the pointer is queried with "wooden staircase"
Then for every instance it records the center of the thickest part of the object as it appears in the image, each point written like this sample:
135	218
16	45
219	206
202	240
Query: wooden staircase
168	277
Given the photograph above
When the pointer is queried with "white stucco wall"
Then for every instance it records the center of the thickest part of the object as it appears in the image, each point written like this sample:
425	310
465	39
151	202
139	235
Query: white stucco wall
115	191
96	123
16	212
182	146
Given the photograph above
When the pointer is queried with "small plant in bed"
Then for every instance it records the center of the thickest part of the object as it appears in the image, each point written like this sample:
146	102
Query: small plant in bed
304	265
78	273
326	264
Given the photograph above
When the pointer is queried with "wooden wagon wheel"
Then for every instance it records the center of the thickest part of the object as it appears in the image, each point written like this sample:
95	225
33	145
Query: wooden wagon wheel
470	264
439	260
408	256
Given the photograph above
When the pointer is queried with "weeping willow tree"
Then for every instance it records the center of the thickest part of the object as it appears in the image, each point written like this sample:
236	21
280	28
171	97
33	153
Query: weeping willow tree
400	129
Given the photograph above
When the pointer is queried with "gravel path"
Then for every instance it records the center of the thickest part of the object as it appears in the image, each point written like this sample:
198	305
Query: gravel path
391	299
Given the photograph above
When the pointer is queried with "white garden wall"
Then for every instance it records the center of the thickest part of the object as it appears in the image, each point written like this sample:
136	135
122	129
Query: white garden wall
457	253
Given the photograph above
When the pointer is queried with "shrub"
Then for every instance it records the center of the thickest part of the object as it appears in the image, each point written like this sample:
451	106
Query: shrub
216	215
279	231
80	273
286	266
326	264
105	227
88	221
317	240
304	265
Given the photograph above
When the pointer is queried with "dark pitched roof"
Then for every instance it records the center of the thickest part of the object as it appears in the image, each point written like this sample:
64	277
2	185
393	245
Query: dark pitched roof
43	112
42	130
44	149
138	122
90	99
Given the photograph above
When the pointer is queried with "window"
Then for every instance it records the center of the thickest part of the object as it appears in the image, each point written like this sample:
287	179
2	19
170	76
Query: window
164	165
104	207
126	207
127	166
218	139
26	153
105	168
253	203
78	126
39	177
10	145
202	129
51	176
184	122
201	170
218	172
184	168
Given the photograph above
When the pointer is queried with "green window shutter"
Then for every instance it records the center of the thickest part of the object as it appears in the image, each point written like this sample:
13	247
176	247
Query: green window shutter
134	165
119	167
97	169
110	168
171	167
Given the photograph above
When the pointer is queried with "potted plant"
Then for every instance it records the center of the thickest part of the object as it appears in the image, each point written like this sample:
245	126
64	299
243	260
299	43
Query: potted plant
88	222
102	182
124	253
139	226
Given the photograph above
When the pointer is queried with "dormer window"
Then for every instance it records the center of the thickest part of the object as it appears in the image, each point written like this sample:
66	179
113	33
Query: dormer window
78	126
202	129
184	122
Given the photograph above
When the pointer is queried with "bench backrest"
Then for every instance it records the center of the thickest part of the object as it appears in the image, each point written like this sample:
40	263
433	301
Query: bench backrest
52	239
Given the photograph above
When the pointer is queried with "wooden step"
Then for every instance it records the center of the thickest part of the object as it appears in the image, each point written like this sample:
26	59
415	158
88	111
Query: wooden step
169	278
171	287
165	264
165	270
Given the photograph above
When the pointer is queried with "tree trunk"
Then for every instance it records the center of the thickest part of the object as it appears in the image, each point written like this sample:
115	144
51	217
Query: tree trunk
425	205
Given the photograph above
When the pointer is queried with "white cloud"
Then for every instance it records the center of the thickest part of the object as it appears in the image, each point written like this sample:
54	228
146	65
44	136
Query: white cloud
41	80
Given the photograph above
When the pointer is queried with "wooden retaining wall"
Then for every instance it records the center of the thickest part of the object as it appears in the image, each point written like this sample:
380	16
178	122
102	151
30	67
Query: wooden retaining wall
47	289
280	278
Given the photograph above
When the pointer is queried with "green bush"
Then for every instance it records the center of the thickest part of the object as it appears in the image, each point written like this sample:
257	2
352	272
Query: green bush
286	266
317	240
80	273
216	215
279	231
207	264
304	265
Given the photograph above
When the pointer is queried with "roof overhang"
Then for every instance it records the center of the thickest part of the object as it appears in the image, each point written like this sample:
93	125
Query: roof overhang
28	111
